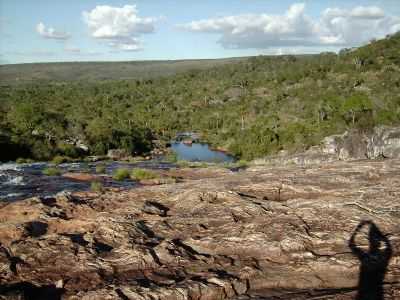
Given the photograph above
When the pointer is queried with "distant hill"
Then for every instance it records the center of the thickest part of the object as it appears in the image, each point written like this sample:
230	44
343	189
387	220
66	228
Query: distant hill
94	71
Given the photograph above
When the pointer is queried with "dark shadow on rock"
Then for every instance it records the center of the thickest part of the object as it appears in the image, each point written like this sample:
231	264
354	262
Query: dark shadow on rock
28	291
36	228
155	208
101	247
77	238
49	201
374	261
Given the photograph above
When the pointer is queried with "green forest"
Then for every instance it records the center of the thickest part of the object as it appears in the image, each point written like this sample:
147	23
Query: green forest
251	107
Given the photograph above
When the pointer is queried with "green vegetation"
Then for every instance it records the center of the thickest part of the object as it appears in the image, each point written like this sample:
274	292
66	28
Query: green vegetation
97	186
21	160
121	174
51	172
143	174
171	157
252	107
238	164
184	164
100	169
102	71
58	160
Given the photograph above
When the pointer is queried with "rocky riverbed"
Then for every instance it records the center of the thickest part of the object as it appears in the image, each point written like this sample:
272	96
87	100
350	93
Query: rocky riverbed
264	233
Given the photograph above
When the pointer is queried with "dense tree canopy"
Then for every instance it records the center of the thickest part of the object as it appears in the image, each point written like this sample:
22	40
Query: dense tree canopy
252	108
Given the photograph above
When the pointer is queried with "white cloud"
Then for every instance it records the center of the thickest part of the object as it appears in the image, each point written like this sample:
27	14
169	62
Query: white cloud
121	27
356	26
335	27
369	12
51	33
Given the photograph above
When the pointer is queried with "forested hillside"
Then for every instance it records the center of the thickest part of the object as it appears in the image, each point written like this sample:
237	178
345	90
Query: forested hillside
252	108
17	74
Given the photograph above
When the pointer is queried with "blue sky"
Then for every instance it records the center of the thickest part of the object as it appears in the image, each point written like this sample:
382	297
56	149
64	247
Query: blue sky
90	30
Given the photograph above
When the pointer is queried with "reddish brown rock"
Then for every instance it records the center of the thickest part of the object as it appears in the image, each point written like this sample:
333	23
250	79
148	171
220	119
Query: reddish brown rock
265	233
81	176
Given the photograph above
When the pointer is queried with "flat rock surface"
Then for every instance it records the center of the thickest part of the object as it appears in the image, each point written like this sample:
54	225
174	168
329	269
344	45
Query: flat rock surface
264	233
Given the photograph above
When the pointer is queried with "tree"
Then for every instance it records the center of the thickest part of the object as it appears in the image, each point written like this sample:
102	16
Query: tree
355	106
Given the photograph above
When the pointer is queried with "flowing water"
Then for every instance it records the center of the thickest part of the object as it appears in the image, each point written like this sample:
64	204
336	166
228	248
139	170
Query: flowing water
19	181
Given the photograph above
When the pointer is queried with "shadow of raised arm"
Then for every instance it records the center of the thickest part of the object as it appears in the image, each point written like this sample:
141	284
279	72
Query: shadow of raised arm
373	262
357	251
380	237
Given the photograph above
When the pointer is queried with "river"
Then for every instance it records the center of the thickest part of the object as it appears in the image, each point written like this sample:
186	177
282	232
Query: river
199	152
19	181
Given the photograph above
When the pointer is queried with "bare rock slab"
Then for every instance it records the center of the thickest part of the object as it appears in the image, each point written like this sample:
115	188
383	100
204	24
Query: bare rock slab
328	231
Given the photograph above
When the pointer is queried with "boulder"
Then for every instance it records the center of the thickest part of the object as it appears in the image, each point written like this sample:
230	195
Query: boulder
382	142
82	146
385	142
188	142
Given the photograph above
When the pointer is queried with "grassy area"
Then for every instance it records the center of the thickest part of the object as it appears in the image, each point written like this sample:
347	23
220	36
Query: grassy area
171	157
51	172
96	186
143	174
100	169
121	174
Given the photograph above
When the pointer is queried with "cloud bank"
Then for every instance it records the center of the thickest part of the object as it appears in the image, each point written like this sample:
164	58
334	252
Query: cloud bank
334	27
121	27
51	33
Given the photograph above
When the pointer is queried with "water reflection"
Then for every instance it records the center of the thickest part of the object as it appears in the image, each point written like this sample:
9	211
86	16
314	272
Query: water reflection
199	152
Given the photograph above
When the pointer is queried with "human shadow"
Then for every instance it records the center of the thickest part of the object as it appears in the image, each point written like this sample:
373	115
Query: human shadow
374	262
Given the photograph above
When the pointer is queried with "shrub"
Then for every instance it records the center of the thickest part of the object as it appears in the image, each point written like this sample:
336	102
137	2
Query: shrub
100	169
242	163
40	150
69	150
171	157
20	160
96	186
121	174
24	160
139	174
58	160
51	172
183	164
202	164
355	106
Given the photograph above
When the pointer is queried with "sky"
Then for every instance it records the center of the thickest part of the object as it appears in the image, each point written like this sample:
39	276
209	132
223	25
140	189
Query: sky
119	30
